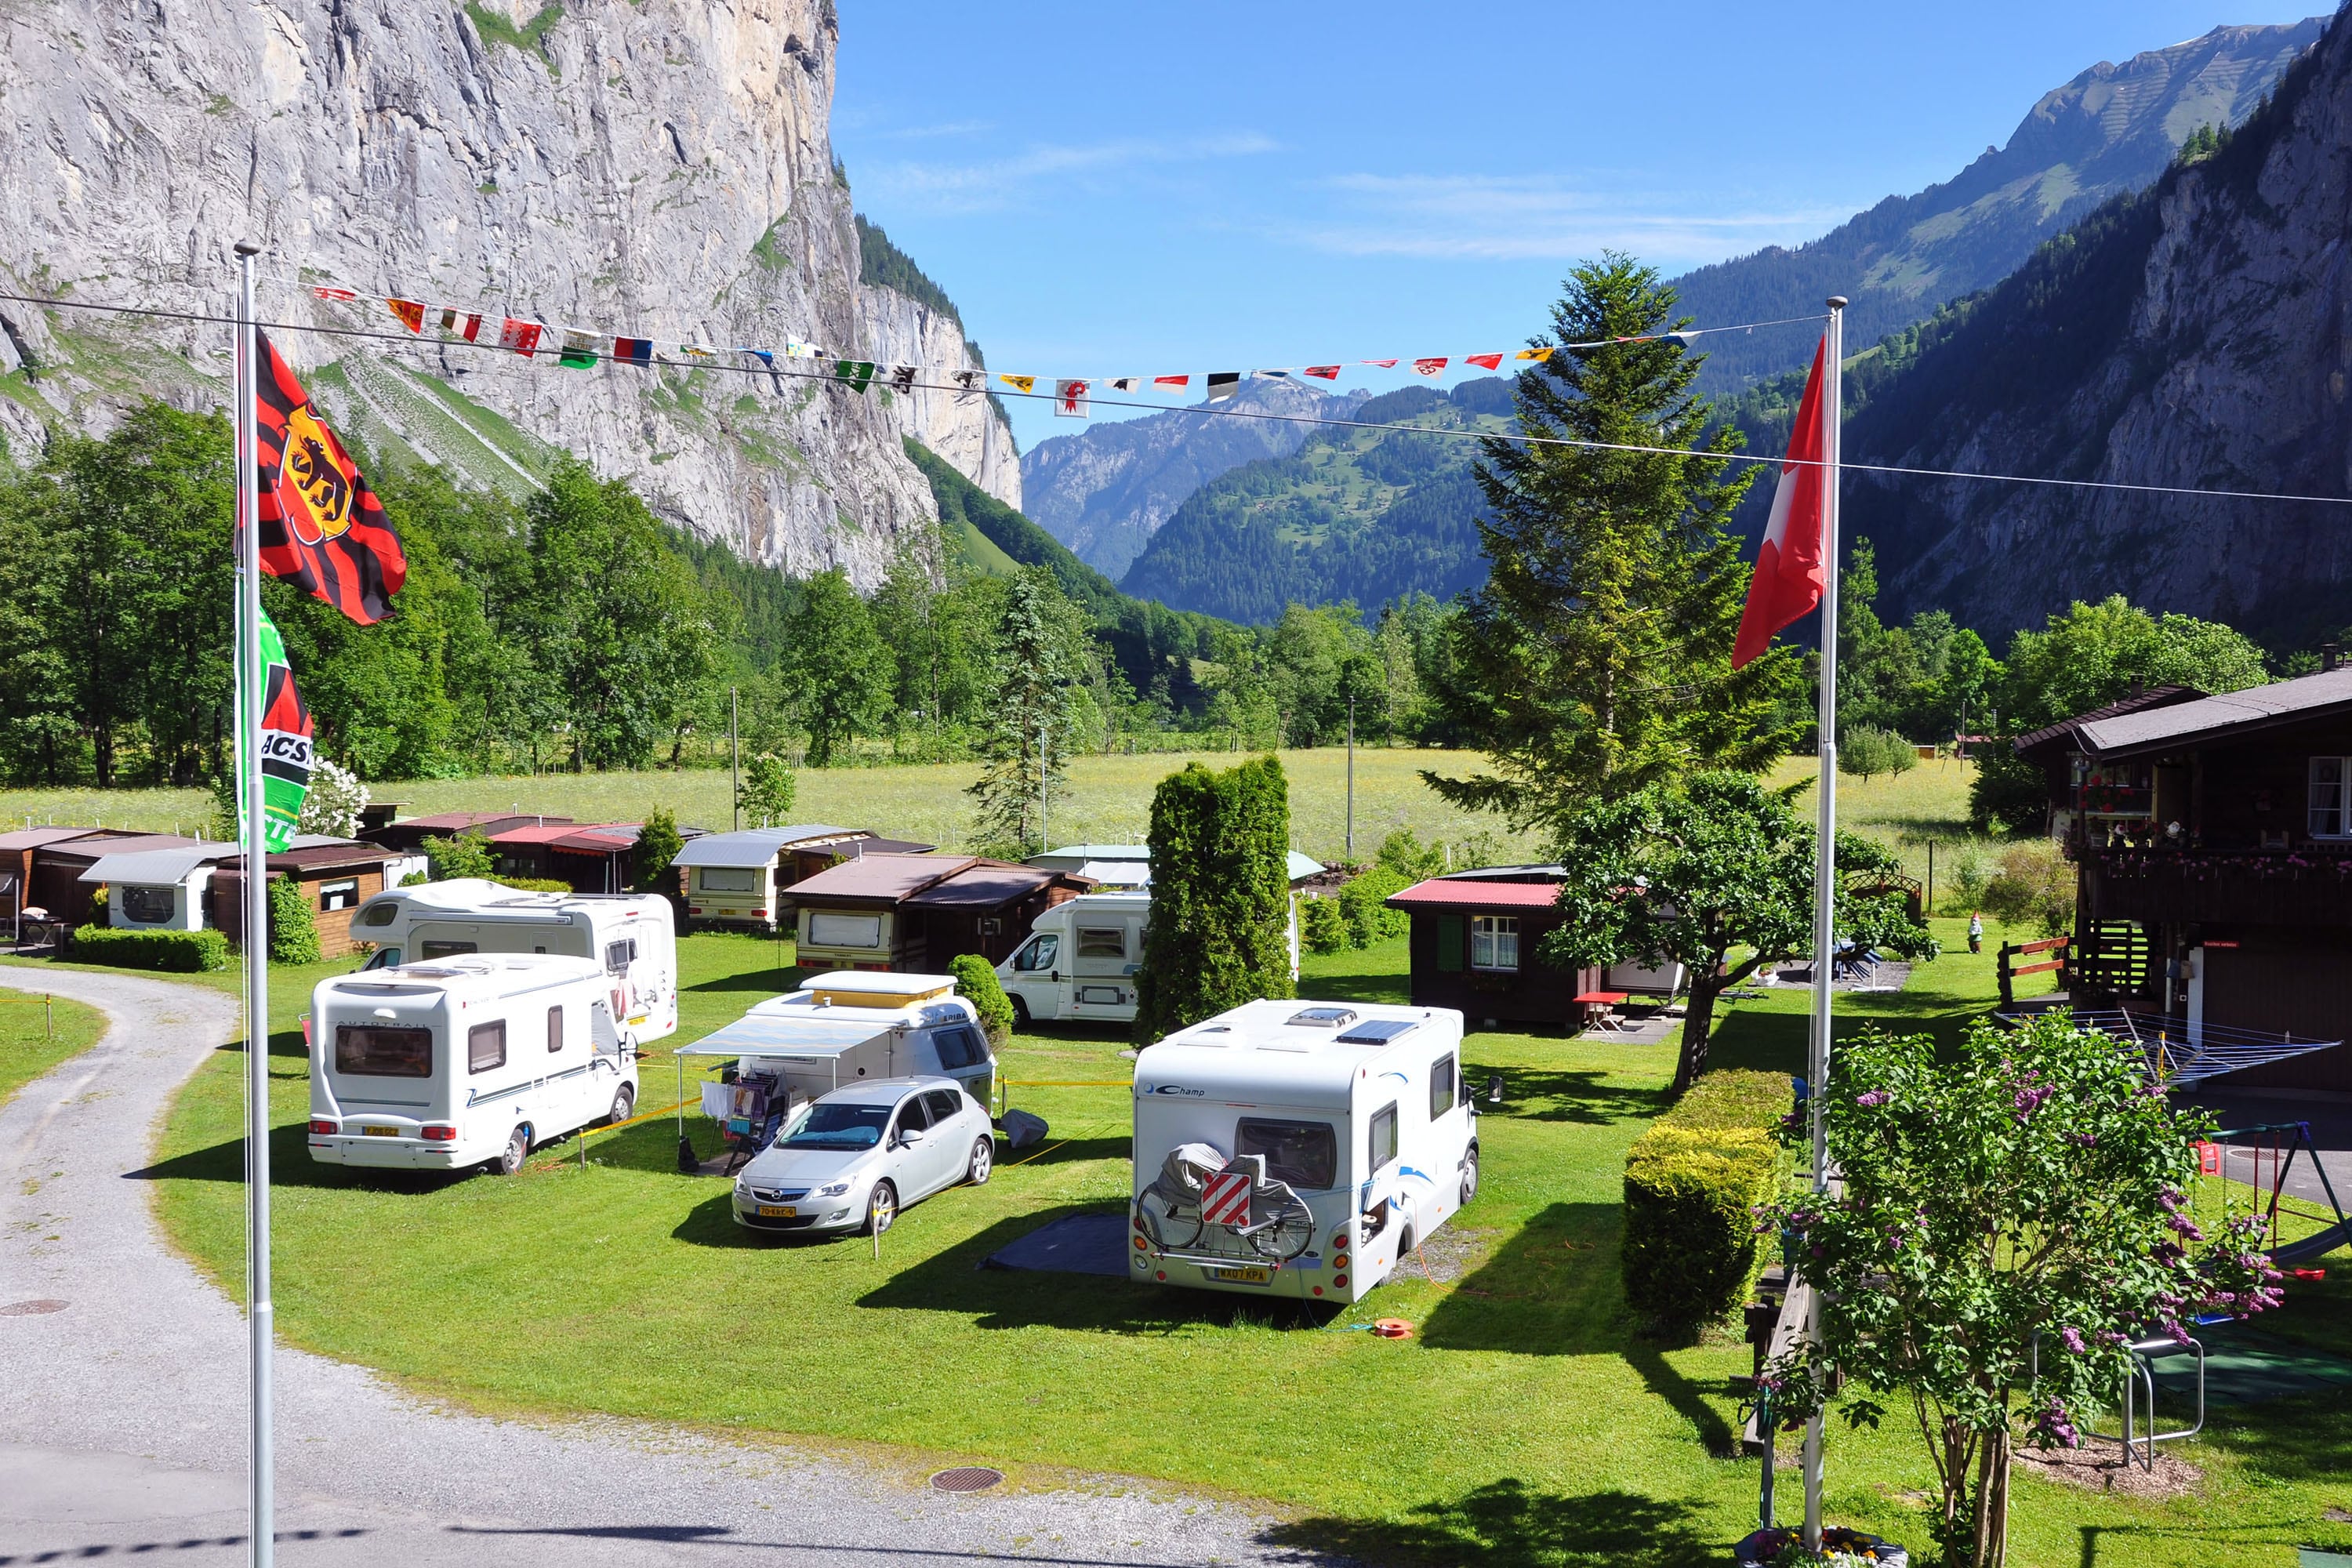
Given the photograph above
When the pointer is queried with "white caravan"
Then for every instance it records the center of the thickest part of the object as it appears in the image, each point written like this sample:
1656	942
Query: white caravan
843	1028
633	935
1300	1148
466	1061
1081	958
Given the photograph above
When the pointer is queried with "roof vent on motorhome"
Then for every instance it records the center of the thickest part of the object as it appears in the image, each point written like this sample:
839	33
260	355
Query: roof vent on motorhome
1322	1017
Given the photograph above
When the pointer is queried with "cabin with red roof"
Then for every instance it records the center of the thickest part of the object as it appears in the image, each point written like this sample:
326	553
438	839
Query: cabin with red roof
1474	945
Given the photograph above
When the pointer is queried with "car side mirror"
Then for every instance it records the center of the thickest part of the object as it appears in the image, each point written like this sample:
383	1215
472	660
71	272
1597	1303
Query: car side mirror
909	1137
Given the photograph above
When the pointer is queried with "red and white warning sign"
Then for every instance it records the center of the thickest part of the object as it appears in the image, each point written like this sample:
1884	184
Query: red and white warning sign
1224	1199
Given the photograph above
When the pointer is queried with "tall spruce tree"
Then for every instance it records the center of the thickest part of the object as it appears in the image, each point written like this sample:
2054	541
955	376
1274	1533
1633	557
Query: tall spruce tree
1041	658
1596	660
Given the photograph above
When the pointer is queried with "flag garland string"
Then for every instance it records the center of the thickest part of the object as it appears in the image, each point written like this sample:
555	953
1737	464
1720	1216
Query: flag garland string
1214	410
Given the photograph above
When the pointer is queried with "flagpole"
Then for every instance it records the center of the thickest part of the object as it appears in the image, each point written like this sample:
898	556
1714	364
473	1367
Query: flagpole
256	910
1817	1055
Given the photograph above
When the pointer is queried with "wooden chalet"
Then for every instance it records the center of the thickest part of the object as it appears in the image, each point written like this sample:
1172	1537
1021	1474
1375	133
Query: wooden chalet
1473	941
408	834
2212	837
918	911
336	875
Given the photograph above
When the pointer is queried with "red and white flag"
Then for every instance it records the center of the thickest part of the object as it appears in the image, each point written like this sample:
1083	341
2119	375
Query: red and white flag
1789	567
1326	372
1173	385
1383	363
1484	362
1070	400
521	336
1429	366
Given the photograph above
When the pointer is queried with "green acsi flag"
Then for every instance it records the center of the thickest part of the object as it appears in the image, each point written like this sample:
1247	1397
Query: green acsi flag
285	747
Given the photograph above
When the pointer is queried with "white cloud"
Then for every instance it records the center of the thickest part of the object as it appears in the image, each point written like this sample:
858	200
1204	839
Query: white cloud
1528	217
1004	181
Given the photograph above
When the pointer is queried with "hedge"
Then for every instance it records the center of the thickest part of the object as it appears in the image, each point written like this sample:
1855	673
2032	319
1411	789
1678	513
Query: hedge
1321	927
178	951
1363	905
1693	1182
293	933
1219	932
977	984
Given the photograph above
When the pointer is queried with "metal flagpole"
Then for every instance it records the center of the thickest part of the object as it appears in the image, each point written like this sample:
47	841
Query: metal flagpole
735	756
1351	778
1817	1055
256	912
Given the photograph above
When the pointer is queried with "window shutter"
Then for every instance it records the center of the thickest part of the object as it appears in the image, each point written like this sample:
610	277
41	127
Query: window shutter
1452	935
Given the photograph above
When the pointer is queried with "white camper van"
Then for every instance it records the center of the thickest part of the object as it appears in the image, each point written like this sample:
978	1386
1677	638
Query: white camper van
466	1061
1081	957
841	1029
1300	1148
633	935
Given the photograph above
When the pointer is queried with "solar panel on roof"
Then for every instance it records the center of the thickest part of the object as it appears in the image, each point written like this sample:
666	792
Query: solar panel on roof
1378	1031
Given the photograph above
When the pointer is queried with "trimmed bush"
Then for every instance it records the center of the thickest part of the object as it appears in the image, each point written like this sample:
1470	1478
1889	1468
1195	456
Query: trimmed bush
293	933
1321	927
1693	1182
175	951
977	984
467	853
536	884
1220	932
1368	920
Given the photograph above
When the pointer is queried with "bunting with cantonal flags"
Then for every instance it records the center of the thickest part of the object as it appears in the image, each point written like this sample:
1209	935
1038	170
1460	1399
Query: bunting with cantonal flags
1020	382
1484	362
1223	383
1326	372
1173	385
1130	385
322	527
1070	400
409	314
633	350
580	350
522	337
1429	366
858	373
968	381
902	379
1538	355
1383	363
460	323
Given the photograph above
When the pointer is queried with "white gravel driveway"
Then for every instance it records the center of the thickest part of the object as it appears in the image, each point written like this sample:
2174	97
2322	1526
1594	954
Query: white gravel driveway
123	1426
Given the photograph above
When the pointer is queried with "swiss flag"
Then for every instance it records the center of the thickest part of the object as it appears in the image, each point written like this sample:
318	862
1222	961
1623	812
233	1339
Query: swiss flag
1788	573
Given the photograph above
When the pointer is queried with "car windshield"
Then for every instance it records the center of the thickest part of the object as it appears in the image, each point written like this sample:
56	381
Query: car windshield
840	1127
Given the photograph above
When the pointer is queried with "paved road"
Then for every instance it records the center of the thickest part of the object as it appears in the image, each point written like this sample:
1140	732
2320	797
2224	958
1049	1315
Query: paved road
123	1426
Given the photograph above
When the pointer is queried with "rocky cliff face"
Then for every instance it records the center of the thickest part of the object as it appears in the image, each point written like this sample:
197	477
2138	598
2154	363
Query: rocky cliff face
658	167
2198	334
963	427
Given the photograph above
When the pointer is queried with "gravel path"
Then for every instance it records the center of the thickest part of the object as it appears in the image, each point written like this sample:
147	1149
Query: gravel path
123	1413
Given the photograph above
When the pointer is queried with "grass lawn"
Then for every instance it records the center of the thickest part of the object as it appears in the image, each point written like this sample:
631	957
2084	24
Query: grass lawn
1109	801
1523	1422
34	1039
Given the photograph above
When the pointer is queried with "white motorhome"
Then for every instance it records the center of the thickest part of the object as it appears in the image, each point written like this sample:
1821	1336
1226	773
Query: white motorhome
841	1029
633	935
1081	959
1299	1148
465	1062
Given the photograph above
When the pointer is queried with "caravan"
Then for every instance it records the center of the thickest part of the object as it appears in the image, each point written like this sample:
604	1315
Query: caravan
1081	958
633	935
1299	1148
468	1061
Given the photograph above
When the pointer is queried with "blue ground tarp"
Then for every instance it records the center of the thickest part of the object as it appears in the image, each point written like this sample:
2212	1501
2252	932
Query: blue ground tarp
1075	1244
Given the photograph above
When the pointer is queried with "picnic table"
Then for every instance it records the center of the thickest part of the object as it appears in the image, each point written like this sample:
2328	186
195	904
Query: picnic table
1601	1007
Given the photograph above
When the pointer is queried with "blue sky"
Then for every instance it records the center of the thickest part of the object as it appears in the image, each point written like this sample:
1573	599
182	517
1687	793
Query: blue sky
1120	188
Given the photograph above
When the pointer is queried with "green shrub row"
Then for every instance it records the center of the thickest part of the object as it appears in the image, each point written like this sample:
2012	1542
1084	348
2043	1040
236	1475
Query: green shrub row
178	951
1693	1182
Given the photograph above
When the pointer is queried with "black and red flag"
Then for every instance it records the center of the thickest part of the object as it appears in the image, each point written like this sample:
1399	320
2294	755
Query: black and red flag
320	524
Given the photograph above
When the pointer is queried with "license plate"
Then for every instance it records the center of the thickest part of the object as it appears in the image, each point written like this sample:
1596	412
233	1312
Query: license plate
380	1132
778	1211
1243	1276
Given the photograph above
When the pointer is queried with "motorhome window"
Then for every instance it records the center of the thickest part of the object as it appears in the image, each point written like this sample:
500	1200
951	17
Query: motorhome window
1495	942
619	956
433	950
912	1117
338	895
486	1046
1302	1154
841	1127
959	1047
381	914
1039	955
554	1030
724	879
1384	1139
844	931
1102	941
1441	1086
371	1050
148	905
943	1103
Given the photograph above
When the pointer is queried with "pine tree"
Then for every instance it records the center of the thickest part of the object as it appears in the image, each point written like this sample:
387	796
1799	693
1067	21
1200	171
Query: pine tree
1596	660
1041	661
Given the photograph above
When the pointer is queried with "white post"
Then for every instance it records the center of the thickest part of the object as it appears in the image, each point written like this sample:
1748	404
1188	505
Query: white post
251	694
1817	1055
735	756
1351	778
1045	788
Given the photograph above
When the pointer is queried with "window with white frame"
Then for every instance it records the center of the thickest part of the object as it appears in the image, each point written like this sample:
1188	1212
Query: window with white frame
2331	798
725	878
340	894
1494	941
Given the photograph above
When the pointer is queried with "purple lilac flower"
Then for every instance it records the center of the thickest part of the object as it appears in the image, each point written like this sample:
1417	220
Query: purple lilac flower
2055	1425
2185	1226
2073	1339
2087	1139
1876	1096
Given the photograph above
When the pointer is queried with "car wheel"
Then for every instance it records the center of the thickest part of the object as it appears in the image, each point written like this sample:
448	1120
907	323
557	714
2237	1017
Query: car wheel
624	1102
983	1161
1470	1175
1020	1013
881	1208
518	1150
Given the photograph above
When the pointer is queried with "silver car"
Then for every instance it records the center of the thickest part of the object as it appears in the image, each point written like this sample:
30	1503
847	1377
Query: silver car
858	1156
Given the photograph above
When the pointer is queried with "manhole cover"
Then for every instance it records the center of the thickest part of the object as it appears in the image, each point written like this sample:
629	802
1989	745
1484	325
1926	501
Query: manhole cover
32	1309
966	1479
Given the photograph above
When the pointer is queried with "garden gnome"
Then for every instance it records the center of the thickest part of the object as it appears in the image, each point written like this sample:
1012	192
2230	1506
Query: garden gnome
1975	932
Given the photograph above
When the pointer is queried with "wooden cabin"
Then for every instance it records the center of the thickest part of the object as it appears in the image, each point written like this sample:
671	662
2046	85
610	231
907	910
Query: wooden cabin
918	911
1474	942
732	878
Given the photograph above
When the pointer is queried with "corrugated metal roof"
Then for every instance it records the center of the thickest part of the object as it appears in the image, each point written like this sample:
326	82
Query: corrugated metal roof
25	839
2305	696
1451	892
887	877
753	846
985	886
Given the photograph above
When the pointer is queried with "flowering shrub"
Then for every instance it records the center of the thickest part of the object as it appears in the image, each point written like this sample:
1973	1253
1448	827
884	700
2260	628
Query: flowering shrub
2010	1222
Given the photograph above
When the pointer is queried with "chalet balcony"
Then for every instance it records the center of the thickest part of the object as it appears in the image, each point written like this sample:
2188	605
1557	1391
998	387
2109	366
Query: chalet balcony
2302	888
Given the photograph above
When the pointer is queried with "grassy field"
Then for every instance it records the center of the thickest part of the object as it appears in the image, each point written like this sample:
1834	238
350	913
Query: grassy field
1525	1422
34	1039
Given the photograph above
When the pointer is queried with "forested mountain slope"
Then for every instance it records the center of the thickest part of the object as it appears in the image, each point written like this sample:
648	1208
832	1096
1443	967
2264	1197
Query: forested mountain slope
1359	515
2113	129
